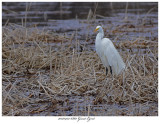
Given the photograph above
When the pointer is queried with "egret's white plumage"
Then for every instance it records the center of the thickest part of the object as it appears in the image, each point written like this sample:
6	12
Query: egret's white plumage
108	53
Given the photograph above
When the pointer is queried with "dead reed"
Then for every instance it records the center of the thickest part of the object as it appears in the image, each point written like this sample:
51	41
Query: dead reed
40	79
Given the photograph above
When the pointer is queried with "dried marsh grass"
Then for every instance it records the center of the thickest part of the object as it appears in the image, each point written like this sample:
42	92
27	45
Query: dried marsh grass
43	79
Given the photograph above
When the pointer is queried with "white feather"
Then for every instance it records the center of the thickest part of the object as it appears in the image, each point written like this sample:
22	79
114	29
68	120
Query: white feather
108	53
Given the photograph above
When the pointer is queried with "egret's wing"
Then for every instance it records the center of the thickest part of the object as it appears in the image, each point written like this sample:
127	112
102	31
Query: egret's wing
112	56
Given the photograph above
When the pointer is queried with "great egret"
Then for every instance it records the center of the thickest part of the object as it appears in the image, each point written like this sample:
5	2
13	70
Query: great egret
108	53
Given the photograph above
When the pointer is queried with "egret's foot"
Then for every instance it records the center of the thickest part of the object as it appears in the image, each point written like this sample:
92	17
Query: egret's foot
106	71
112	77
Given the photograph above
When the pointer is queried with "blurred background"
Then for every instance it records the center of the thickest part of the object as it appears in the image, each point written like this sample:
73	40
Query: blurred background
46	11
83	17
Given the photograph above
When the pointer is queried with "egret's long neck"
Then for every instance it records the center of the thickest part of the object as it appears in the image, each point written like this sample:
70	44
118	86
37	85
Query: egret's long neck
100	35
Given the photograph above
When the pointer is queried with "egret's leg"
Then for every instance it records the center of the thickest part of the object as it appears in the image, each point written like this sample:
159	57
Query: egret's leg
106	71
110	69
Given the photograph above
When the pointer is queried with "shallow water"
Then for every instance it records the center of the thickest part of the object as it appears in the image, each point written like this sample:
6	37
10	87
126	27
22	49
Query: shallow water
83	106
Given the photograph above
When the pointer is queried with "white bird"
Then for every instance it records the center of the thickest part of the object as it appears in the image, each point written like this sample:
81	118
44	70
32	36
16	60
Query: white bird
108	53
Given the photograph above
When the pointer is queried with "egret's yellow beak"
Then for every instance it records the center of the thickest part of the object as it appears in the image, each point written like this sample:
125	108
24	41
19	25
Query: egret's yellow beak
96	29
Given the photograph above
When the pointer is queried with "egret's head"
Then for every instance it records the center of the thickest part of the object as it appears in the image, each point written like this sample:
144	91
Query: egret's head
98	28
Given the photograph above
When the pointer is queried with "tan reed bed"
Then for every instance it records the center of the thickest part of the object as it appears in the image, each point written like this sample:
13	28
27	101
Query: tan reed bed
39	79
